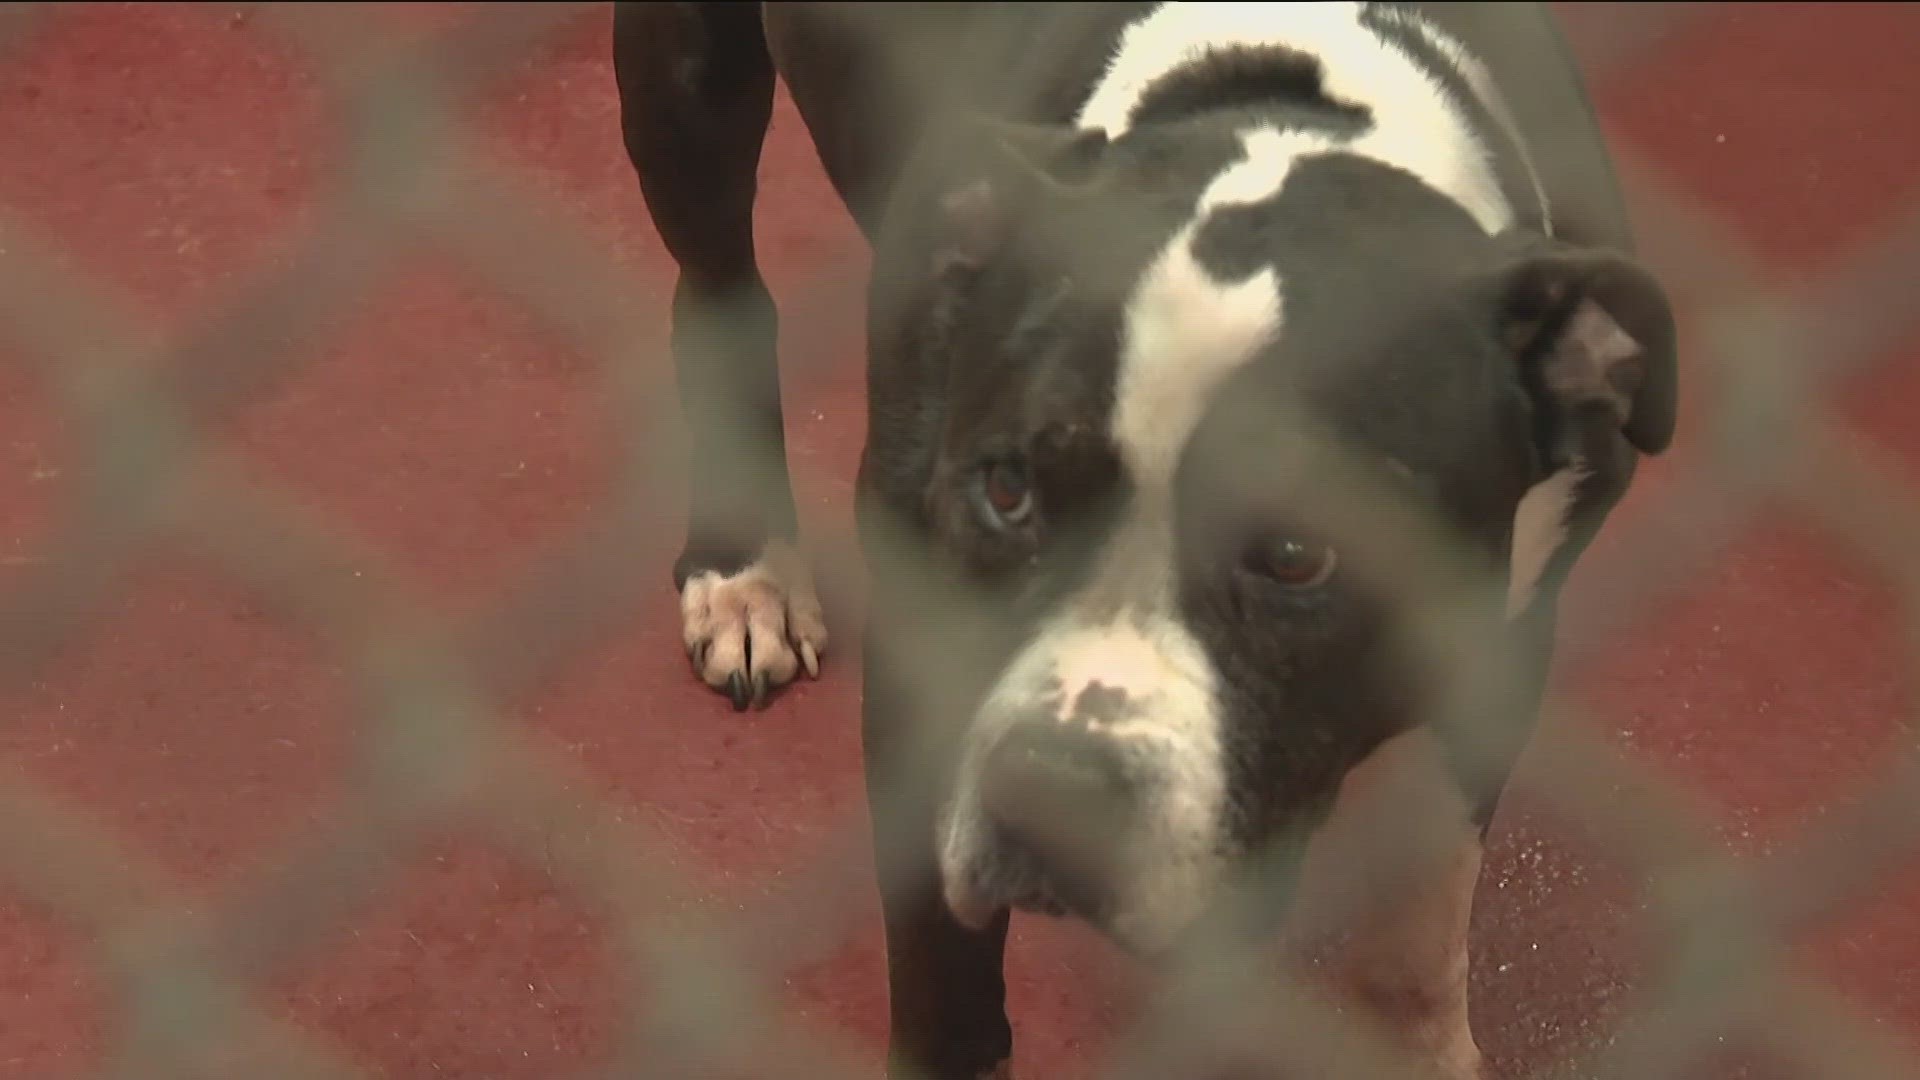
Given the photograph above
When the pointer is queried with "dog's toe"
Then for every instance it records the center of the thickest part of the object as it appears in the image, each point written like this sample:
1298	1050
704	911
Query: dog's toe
751	632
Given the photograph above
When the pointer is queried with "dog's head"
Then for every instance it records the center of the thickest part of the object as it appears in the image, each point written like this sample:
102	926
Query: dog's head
1133	337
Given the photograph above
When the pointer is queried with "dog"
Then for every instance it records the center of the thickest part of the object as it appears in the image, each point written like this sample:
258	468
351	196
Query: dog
1124	256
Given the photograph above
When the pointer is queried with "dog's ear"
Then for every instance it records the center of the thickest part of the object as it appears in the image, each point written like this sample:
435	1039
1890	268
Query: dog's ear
1003	168
1594	335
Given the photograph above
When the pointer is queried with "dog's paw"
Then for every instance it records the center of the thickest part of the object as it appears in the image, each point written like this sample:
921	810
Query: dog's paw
755	630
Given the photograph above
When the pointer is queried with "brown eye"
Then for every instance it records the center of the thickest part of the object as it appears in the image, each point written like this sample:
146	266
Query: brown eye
1297	564
1006	494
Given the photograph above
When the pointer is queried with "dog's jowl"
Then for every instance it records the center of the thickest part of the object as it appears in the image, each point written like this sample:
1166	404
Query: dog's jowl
1181	317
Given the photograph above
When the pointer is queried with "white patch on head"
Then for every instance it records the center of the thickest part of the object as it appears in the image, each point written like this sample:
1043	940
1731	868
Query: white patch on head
1416	127
1539	529
1185	332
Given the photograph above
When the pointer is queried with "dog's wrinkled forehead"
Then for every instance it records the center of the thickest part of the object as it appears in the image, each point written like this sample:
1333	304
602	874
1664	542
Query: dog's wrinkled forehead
1038	270
1179	267
1045	269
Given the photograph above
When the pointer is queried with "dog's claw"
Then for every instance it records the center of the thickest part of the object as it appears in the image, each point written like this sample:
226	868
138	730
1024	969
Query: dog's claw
751	632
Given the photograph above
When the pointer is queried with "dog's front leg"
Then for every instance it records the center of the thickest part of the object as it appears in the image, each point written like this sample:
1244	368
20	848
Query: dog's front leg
696	92
1401	856
945	985
1410	965
946	992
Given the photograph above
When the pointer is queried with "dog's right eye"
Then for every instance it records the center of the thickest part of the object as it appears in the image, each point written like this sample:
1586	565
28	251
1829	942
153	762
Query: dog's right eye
1004	494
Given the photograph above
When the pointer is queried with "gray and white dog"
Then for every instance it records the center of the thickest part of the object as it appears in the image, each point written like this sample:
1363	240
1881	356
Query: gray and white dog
1110	242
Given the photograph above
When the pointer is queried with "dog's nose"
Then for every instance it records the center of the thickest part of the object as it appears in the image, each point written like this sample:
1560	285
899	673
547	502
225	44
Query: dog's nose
1061	793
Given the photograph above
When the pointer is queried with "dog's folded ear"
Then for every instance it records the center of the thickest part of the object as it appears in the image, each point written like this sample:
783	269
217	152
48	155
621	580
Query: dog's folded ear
1594	334
1003	167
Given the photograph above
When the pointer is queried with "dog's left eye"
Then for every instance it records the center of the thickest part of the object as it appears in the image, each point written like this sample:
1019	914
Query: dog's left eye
1295	563
1005	493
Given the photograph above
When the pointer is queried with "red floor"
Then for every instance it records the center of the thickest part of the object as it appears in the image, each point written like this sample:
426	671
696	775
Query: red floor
173	154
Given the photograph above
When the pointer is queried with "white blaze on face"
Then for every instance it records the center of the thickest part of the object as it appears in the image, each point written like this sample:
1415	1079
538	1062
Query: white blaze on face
1185	331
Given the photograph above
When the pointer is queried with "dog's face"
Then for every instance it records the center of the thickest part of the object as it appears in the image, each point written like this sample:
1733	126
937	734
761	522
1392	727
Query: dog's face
1124	329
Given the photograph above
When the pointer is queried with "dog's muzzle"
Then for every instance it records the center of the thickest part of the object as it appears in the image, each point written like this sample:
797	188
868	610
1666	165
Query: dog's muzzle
1091	787
1057	799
